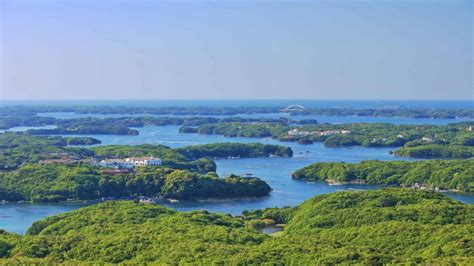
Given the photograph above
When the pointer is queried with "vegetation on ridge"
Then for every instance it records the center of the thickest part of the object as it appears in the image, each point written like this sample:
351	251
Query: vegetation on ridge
444	174
364	227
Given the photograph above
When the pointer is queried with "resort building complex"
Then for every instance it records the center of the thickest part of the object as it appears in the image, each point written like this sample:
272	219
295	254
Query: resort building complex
130	162
296	132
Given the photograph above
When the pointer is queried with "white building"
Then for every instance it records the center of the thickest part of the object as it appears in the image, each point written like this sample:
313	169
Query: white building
330	132
296	132
144	161
116	163
130	162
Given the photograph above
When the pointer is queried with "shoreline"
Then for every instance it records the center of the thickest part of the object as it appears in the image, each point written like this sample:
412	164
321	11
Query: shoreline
333	182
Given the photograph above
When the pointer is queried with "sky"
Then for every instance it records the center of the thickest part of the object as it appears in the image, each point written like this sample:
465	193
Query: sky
84	49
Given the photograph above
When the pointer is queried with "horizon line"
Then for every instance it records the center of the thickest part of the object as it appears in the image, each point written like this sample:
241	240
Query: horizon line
229	99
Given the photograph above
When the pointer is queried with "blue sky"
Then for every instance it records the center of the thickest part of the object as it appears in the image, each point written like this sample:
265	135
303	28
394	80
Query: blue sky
236	49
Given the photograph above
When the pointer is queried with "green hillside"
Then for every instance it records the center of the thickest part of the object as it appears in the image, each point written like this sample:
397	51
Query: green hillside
444	174
369	227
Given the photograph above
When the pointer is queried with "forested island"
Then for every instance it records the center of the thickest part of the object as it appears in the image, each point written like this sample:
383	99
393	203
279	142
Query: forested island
456	175
42	168
228	111
119	126
85	130
57	182
82	141
235	150
424	141
385	226
437	151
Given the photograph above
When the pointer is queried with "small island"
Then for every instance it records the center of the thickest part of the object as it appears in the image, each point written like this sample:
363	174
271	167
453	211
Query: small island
438	175
235	150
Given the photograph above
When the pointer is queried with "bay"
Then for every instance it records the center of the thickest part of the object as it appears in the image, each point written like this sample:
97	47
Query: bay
17	217
319	118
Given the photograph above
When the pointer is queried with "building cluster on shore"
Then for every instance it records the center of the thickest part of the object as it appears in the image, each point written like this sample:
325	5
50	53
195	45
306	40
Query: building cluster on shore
297	132
427	139
129	163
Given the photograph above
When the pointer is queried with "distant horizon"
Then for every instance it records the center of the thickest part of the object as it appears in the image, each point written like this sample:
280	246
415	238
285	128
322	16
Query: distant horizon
309	103
234	99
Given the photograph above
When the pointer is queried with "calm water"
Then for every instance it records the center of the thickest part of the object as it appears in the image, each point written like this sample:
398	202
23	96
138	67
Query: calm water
276	171
18	217
320	119
22	129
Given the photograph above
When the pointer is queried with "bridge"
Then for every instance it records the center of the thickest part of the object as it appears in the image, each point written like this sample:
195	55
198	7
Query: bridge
293	108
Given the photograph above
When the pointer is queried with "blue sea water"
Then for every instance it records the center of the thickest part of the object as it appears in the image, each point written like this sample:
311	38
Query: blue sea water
319	118
17	217
23	129
276	171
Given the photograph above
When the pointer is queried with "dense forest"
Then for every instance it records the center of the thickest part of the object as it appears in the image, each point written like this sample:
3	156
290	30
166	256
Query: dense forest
57	182
82	141
444	174
18	148
225	150
387	226
437	151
